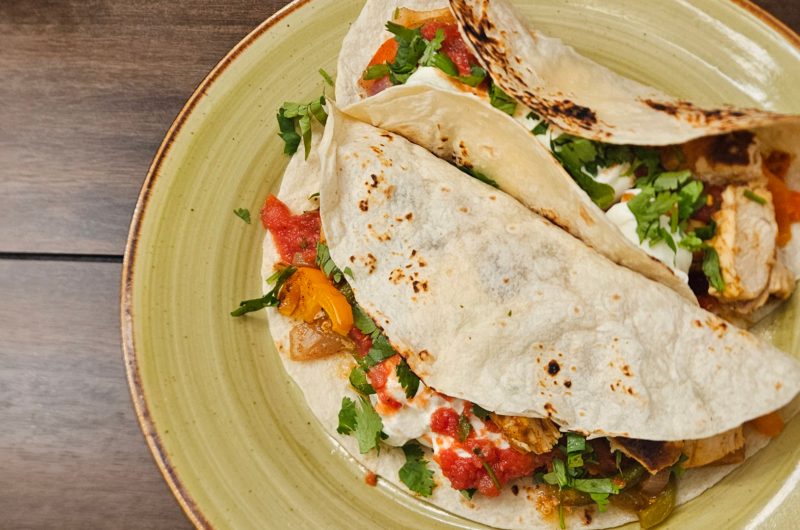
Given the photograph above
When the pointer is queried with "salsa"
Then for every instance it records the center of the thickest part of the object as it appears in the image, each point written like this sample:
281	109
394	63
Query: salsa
378	376
296	236
469	472
363	342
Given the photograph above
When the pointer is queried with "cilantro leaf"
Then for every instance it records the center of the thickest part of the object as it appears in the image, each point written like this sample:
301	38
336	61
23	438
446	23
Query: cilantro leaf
478	175
326	77
288	133
502	101
575	442
326	263
347	417
691	199
469	493
574	153
363	322
408	379
672	181
315	108
491	475
244	213
480	412
601	194
692	243
313	196
396	13
376	71
431	48
712	270
380	351
269	300
602	501
348	272
541	128
358	380
368	428
464	428
707	232
402	33
443	62
595	485
414	473
475	77
677	468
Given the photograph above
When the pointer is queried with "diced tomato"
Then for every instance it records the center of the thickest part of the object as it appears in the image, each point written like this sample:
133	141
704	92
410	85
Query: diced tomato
453	45
445	421
363	342
469	472
296	236
371	479
377	377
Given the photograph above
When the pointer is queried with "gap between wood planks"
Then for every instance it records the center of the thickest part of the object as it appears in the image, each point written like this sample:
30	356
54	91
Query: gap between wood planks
29	256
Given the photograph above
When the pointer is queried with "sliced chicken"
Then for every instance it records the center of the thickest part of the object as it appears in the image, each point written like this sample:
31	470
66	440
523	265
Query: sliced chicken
745	243
654	456
724	448
528	435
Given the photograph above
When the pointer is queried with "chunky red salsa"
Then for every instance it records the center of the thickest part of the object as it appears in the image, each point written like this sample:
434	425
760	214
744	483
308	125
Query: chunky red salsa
363	342
378	376
296	236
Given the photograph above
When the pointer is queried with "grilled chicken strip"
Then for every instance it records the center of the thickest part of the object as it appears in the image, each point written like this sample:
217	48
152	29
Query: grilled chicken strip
713	449
528	435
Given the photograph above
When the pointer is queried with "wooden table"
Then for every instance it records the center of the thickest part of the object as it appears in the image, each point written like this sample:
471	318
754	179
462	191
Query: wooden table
88	88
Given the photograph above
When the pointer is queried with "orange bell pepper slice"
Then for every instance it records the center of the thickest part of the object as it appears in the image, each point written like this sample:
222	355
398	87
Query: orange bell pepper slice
769	425
307	292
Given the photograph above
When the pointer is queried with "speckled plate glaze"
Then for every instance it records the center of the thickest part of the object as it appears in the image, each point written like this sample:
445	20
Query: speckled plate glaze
228	428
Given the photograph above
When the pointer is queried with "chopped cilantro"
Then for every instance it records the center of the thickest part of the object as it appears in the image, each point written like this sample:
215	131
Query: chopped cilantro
491	474
532	116
443	62
602	501
364	323
672	180
313	196
755	198
575	442
468	493
502	101
432	47
326	77
712	270
380	351
478	175
414	473
618	456
509	313
300	114
348	272
288	133
408	379
579	154
269	300
358	380
561	522
707	232
244	213
475	77
376	71
677	468
692	243
396	13
480	412
541	128
326	263
464	428
369	427
274	277
347	417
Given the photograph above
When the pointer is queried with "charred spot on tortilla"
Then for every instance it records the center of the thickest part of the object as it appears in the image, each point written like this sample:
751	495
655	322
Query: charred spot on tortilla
568	384
691	112
364	205
553	367
387	136
732	149
550	409
626	370
515	490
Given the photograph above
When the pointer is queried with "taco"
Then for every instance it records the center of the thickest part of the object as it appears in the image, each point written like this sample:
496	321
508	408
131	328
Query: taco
462	347
698	199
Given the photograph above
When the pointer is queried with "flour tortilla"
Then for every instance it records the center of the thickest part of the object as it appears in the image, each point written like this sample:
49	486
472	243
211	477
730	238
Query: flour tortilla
463	128
589	100
324	382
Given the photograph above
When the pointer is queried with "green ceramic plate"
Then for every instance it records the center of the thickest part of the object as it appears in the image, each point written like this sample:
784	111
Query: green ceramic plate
228	428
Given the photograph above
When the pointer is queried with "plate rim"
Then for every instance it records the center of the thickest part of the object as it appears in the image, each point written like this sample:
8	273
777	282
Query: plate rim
141	407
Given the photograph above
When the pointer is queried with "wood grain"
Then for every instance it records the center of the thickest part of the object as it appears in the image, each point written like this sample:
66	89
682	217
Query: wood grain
72	455
88	89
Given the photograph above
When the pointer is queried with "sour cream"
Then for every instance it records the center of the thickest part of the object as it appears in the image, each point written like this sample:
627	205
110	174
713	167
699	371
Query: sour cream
412	421
623	218
432	77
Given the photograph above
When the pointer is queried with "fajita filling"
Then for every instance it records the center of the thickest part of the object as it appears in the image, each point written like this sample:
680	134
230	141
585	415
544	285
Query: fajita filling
478	451
715	210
